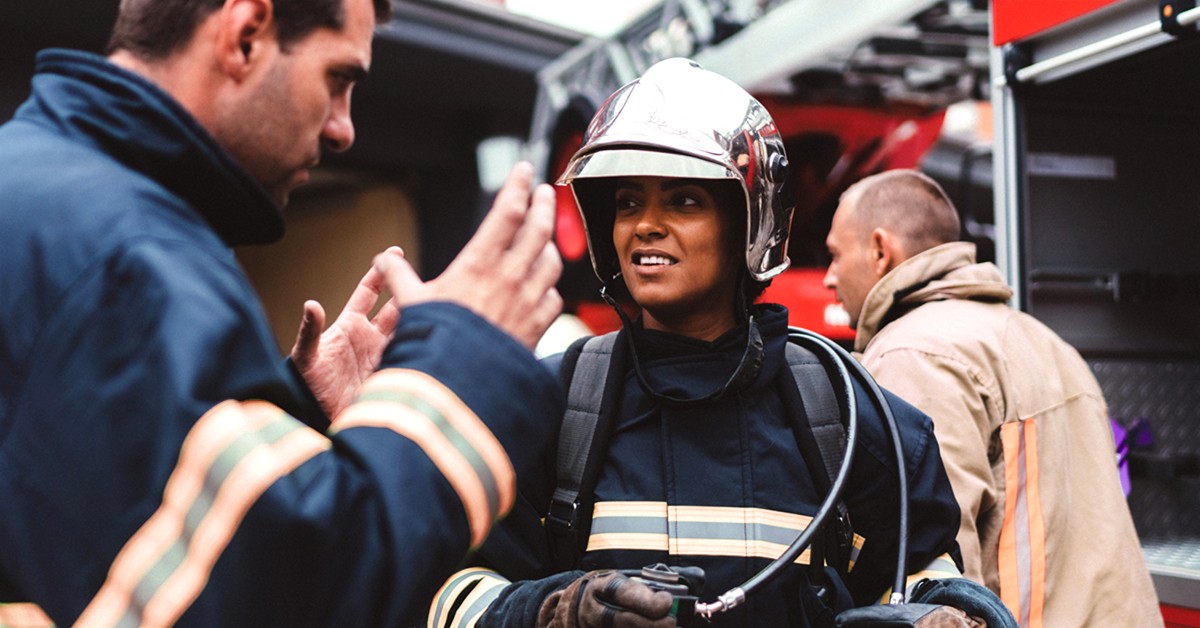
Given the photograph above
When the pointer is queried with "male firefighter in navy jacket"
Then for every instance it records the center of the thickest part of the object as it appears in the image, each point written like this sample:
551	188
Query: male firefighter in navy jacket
158	459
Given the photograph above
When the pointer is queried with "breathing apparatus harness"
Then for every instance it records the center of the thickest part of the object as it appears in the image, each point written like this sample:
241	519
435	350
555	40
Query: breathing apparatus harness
683	582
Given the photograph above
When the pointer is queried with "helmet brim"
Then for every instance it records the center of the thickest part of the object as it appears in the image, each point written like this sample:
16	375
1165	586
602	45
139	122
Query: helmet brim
633	162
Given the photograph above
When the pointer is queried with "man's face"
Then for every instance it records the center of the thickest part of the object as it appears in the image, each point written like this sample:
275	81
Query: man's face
299	102
851	271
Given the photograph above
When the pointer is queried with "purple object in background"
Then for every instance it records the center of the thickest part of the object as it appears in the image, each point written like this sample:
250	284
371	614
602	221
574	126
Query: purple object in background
1136	435
1121	437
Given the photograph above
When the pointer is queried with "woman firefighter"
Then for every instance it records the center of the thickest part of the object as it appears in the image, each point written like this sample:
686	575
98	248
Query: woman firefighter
693	452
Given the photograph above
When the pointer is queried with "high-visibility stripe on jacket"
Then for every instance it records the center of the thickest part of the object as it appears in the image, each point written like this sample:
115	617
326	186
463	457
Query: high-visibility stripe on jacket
159	461
1022	547
465	596
418	407
942	567
699	530
228	459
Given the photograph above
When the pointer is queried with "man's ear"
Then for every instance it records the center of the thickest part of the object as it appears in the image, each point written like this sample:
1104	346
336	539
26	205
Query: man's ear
244	27
886	251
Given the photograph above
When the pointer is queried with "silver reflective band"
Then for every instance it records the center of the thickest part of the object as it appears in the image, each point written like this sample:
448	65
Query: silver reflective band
629	162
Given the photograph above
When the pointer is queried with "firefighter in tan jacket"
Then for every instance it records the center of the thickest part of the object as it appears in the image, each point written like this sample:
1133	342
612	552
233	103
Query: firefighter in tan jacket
1021	421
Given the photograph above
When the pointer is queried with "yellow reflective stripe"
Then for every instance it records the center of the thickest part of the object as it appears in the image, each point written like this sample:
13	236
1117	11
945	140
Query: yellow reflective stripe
465	451
229	458
478	585
697	530
748	516
459	415
690	546
629	509
24	615
741	549
855	550
626	541
940	568
725	514
478	601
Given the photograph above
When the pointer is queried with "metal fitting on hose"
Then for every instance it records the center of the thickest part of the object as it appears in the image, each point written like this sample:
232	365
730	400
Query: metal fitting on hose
731	598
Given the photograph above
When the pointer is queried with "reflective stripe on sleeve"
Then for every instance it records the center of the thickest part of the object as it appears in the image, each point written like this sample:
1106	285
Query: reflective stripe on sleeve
230	457
942	567
698	530
1022	549
422	409
465	596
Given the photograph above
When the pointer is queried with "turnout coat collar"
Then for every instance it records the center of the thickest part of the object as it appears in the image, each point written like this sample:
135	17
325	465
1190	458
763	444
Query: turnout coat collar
948	271
88	99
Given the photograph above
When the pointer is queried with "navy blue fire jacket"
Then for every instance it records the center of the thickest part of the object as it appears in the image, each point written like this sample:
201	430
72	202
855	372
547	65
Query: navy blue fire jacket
722	486
159	462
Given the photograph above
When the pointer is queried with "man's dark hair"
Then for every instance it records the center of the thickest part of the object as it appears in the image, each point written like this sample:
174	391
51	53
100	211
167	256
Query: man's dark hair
153	29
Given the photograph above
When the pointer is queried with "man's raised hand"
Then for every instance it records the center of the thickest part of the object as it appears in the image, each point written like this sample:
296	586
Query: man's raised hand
334	362
507	271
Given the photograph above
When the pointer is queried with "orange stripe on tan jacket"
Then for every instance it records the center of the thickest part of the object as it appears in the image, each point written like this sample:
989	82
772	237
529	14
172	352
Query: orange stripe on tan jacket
1022	547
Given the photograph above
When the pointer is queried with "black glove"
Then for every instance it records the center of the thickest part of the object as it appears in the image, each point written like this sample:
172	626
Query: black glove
606	599
949	602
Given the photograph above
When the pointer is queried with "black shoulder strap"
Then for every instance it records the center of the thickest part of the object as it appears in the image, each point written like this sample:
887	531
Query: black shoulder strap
586	365
821	409
821	435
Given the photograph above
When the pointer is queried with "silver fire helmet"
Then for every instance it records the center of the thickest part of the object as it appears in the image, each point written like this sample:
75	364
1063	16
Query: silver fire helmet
680	120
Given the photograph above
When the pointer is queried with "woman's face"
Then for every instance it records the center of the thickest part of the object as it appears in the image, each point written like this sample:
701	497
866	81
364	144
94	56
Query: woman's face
675	246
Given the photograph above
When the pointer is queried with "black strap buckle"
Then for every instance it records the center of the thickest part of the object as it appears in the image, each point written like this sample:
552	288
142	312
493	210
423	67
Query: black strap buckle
845	538
563	514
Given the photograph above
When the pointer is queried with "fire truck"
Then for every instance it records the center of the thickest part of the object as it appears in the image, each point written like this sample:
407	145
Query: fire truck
1061	130
1096	215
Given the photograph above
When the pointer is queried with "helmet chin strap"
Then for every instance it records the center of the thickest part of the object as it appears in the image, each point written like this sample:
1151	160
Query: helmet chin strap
747	369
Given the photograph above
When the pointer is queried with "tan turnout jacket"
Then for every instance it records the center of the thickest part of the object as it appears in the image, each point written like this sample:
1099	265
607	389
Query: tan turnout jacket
1025	438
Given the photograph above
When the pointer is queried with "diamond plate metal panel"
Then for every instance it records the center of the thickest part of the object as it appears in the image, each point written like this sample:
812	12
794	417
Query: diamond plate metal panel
1165	499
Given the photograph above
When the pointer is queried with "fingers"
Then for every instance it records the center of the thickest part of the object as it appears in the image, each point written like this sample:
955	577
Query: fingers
507	215
308	337
547	302
389	314
638	598
544	315
406	286
626	619
366	294
625	603
530	240
387	317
